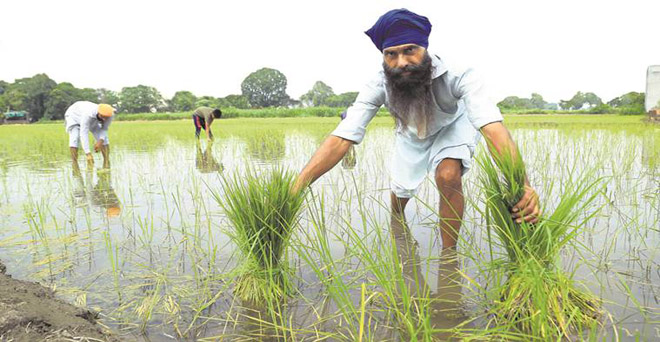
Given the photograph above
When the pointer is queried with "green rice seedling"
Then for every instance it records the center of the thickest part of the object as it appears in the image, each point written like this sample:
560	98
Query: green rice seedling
267	145
263	212
113	258
537	297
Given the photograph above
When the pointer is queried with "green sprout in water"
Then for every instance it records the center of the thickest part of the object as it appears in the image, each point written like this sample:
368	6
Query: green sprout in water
537	297
263	212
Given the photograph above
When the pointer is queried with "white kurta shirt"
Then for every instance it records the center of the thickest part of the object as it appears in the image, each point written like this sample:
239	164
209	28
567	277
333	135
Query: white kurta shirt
83	114
462	108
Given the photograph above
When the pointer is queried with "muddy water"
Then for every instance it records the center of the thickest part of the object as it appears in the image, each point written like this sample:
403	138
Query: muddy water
144	243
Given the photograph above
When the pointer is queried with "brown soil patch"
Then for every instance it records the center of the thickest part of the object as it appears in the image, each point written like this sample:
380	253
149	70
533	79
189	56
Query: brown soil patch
30	312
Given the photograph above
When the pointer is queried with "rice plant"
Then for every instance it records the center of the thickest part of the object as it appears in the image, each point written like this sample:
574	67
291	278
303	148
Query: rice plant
536	296
263	212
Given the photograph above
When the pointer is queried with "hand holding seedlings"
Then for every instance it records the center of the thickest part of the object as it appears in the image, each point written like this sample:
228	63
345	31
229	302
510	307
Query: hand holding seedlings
98	145
528	207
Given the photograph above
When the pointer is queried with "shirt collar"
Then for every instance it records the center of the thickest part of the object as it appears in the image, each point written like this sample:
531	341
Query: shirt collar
439	67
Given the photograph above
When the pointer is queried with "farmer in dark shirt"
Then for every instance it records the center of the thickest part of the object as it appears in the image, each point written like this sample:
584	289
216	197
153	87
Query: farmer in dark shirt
203	118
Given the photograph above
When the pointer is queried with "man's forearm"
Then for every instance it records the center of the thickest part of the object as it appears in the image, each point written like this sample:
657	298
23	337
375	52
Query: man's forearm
499	141
331	151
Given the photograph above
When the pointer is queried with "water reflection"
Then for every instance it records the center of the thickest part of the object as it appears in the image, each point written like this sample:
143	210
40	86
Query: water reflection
181	214
446	301
101	195
266	146
349	160
205	162
257	322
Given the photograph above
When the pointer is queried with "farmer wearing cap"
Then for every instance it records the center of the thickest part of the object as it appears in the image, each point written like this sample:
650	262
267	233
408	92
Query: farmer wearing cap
440	114
83	117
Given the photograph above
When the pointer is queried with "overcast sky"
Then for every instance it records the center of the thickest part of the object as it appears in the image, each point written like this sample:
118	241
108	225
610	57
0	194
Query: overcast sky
554	48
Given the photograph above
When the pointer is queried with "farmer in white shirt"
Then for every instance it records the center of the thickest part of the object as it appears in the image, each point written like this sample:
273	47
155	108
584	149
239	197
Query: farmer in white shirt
83	117
439	114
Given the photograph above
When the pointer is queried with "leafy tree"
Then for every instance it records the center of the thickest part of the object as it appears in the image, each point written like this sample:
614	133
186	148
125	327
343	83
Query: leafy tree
265	88
183	101
515	102
317	95
627	100
236	101
208	101
59	99
14	98
537	102
629	103
341	100
3	102
3	86
108	97
87	94
579	100
33	93
140	99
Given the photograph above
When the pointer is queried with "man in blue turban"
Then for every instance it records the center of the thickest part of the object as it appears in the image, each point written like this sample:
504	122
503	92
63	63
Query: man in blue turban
440	115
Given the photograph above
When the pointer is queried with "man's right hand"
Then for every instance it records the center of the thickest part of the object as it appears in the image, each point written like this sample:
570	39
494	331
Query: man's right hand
90	160
326	157
98	145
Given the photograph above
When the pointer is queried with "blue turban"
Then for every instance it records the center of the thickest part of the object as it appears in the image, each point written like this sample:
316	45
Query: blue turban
400	26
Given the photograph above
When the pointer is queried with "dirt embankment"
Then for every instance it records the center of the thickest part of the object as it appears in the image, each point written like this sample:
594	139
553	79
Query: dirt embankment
30	312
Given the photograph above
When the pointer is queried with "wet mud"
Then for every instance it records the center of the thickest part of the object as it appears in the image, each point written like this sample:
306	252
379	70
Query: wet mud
30	312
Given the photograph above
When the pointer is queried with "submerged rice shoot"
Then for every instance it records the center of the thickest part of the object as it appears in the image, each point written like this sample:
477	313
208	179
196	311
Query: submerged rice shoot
536	297
263	212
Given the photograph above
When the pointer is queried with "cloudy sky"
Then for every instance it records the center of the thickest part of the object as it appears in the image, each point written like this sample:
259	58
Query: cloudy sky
554	48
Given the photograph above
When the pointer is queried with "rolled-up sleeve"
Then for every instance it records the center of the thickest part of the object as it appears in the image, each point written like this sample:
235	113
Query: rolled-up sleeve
480	109
358	115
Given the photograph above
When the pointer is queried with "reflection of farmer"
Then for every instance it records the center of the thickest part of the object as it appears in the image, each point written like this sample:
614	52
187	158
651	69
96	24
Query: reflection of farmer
101	195
104	196
83	117
205	162
446	299
439	114
349	160
203	118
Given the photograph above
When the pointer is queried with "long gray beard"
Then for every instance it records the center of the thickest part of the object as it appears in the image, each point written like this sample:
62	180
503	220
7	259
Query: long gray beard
410	97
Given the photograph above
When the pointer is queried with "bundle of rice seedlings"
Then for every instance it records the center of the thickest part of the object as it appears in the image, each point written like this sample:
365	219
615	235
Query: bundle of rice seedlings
263	212
537	297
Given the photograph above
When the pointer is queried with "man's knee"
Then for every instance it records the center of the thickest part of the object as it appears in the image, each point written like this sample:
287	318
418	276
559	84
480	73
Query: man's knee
448	174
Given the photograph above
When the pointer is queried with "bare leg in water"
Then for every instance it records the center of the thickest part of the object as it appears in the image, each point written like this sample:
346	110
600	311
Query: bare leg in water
450	186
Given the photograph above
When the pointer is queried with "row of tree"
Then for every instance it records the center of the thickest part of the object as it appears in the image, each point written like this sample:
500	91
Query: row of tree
45	98
629	103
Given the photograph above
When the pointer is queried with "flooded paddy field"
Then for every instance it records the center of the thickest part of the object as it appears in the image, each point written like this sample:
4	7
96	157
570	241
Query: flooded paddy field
145	244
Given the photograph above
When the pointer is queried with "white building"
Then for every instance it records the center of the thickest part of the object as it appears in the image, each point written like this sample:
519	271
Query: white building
652	87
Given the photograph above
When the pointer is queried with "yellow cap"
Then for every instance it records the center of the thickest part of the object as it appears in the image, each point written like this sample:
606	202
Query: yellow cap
106	110
113	211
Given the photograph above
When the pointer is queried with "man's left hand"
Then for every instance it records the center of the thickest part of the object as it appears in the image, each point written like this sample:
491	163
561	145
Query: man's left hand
527	208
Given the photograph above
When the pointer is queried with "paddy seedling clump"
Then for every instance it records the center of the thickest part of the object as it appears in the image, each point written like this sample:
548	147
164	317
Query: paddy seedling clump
535	295
262	211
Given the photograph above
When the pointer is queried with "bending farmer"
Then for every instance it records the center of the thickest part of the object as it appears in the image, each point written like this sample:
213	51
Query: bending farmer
203	118
83	117
439	113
